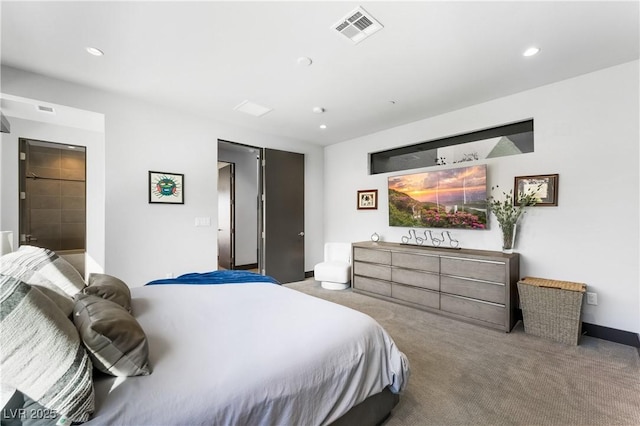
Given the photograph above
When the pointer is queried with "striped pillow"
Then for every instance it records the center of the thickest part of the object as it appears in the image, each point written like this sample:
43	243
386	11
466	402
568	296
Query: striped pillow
52	291
41	352
46	265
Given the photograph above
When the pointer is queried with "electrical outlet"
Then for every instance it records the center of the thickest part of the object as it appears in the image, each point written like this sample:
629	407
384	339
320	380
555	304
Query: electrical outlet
592	298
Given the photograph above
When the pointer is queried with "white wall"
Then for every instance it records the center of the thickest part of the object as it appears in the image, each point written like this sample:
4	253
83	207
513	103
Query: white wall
587	130
143	241
246	196
94	143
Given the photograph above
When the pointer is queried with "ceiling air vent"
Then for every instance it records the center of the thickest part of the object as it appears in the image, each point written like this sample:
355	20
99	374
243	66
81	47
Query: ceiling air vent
357	25
252	108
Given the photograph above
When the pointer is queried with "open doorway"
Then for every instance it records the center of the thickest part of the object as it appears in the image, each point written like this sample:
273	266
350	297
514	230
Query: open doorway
52	189
238	208
267	224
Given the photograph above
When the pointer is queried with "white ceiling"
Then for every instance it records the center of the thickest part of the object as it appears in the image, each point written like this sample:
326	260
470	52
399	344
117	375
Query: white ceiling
208	57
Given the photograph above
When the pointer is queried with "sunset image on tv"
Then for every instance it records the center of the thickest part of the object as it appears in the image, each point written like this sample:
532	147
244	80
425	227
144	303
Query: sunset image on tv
453	198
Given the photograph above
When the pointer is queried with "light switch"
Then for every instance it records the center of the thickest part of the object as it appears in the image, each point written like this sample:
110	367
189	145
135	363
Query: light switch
203	221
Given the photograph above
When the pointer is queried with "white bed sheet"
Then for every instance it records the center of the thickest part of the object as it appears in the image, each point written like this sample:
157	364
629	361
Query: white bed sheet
249	354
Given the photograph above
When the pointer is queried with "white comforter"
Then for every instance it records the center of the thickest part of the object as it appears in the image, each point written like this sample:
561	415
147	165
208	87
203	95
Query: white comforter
249	354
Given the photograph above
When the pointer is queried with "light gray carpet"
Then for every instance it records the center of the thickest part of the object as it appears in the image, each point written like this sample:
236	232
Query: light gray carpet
464	374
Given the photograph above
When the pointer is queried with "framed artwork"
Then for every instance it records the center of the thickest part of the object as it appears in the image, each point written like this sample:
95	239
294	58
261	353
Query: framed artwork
546	187
449	198
368	199
166	188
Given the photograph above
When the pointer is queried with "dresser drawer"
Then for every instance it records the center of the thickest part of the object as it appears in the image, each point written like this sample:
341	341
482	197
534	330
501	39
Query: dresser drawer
474	289
382	272
415	295
469	268
415	278
373	286
416	261
473	309
373	256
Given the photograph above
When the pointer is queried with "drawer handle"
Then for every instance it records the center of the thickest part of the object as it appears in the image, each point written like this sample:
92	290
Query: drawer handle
495	262
474	300
472	279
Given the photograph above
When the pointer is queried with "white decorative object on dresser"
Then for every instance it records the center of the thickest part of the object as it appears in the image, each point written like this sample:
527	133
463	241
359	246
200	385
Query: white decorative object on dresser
474	285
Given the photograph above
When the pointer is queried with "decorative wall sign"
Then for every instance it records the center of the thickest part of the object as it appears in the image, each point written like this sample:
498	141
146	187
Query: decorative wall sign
546	194
445	240
167	188
368	199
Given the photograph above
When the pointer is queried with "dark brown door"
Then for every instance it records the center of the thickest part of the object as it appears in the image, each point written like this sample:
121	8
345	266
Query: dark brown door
283	215
226	216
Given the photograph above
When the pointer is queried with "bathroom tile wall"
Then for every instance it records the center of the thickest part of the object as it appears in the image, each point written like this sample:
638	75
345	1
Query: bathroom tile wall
56	188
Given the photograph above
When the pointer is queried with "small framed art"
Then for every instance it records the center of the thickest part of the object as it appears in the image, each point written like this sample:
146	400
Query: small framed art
166	188
368	199
546	187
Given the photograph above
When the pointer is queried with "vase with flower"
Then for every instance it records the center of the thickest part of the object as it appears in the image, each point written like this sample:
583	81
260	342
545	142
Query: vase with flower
508	213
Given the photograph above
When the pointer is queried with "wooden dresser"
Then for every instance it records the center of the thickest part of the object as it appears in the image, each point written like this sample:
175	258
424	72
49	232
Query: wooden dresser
474	285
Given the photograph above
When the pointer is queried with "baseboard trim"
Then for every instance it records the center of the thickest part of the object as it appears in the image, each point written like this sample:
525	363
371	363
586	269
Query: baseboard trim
246	267
611	334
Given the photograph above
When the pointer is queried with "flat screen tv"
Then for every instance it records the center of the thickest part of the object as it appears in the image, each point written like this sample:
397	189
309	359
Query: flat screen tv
451	198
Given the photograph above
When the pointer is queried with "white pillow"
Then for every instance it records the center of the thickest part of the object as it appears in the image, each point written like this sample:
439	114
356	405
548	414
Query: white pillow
47	266
41	352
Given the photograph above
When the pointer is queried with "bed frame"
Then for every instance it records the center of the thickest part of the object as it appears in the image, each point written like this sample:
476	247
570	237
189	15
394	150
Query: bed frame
373	411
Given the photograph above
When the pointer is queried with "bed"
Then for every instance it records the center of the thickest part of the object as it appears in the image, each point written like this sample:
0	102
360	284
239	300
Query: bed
249	354
252	353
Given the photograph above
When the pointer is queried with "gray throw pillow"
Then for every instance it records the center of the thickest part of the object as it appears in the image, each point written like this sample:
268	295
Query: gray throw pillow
110	288
41	352
114	339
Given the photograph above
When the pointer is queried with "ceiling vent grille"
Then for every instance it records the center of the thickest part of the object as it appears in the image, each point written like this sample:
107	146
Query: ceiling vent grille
357	25
252	108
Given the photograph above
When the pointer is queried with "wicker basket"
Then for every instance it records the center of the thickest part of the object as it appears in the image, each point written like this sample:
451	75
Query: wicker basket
552	308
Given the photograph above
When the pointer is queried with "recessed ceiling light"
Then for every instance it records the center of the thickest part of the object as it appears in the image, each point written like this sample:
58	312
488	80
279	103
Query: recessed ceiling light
323	126
531	51
95	51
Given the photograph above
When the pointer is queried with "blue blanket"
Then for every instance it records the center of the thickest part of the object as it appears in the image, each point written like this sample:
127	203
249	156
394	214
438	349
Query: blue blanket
217	277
